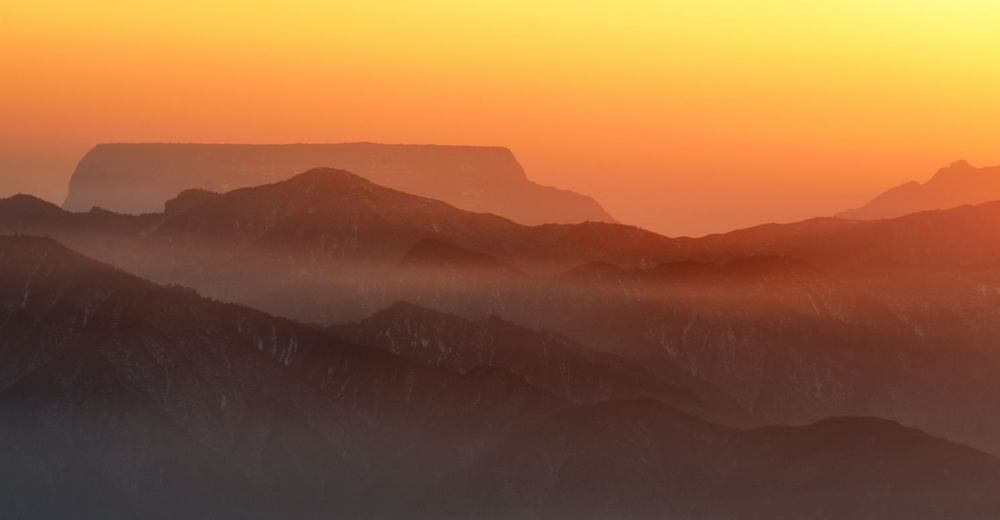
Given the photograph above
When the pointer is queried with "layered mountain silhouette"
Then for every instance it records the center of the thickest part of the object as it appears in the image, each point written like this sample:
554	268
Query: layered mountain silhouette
330	214
957	185
166	403
892	318
122	398
140	178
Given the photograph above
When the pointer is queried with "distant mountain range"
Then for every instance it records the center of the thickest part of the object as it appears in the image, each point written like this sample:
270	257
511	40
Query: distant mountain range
332	214
327	215
140	178
956	185
122	398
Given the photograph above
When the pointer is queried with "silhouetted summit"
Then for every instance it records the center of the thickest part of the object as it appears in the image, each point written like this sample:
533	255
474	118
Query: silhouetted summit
139	178
336	213
958	184
27	206
188	199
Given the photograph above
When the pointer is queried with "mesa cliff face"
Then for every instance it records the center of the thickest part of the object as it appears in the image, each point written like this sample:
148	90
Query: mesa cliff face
140	178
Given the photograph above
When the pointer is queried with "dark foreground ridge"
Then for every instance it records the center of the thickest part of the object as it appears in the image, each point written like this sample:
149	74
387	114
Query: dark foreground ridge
120	398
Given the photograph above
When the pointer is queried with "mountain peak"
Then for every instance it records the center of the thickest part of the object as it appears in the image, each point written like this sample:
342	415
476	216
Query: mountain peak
340	184
139	178
25	199
328	175
307	192
961	163
956	168
22	205
957	184
189	199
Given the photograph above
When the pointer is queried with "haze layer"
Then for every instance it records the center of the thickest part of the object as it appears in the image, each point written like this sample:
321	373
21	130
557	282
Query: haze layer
684	118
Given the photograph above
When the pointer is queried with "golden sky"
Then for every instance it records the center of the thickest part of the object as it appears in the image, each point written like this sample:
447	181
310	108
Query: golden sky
684	117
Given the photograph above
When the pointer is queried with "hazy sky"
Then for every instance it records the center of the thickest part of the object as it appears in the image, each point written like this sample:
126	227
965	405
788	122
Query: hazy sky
684	117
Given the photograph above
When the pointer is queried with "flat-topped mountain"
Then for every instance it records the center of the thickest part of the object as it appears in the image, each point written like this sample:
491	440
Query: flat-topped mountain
140	178
957	185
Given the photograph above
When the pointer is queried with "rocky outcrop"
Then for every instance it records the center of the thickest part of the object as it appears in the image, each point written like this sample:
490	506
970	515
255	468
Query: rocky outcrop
140	178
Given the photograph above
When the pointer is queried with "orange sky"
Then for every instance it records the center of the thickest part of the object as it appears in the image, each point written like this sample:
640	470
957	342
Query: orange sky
685	117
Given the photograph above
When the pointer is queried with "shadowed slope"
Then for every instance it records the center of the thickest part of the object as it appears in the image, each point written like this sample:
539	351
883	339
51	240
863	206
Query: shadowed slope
238	412
544	359
638	459
120	397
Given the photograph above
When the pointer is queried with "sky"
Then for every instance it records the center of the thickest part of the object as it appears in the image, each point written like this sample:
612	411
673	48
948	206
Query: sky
683	117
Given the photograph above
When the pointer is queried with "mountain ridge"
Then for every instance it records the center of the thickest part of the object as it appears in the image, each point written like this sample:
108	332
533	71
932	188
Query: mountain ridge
140	177
955	185
545	359
138	400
